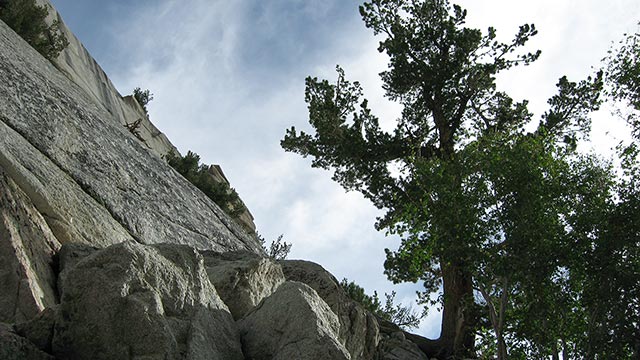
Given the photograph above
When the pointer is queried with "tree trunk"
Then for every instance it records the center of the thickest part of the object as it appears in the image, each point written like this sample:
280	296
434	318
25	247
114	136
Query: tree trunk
497	316
555	353
457	337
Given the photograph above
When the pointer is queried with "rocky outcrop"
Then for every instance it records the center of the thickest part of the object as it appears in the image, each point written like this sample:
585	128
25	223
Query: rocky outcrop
27	246
14	347
293	323
136	301
242	279
358	328
245	218
107	253
156	301
394	344
50	115
81	68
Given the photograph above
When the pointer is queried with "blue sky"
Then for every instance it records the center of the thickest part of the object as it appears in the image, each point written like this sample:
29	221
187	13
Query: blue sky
228	79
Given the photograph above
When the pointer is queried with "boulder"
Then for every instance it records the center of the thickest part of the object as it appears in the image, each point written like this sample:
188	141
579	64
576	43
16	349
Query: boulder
358	328
39	330
242	279
293	323
138	301
27	278
395	346
15	347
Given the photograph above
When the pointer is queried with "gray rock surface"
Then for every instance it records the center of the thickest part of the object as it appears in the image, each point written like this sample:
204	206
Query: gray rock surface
140	301
293	323
242	279
358	328
77	135
396	347
71	214
14	347
245	218
81	68
397	344
399	349
39	330
27	279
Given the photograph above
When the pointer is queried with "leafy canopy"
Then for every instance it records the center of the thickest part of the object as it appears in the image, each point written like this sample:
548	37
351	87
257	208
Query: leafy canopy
480	203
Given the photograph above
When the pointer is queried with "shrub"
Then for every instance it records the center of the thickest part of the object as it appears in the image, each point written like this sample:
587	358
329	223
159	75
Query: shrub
28	20
403	316
278	250
134	128
199	175
142	97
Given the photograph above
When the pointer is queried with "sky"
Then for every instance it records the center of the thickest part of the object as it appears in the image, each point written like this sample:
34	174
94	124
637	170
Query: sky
228	80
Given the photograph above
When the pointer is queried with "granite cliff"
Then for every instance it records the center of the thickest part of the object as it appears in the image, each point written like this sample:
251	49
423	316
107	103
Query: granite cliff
106	252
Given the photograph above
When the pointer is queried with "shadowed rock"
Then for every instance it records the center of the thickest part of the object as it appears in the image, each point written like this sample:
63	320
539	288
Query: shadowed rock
153	302
395	345
14	347
242	279
293	323
358	328
27	279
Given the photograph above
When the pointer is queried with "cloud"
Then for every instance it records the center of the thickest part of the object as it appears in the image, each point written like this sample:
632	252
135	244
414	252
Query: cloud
228	79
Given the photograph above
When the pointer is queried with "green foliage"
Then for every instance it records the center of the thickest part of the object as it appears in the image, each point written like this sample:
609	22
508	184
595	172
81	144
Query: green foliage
27	19
278	249
403	316
607	263
357	293
200	175
143	98
623	77
482	206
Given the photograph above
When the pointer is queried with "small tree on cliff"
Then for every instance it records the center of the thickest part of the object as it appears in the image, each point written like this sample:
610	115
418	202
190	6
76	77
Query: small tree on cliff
27	19
453	119
199	175
143	97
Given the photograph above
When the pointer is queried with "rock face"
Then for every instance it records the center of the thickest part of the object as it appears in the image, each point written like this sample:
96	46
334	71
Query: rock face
27	245
108	253
14	347
242	279
82	69
44	113
293	323
131	300
358	328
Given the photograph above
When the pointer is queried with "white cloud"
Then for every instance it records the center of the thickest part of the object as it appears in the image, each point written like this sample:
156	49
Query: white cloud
222	91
